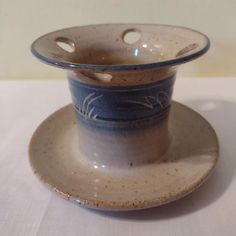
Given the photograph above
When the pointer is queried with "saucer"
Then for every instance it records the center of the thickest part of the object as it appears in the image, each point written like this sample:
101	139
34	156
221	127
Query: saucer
192	156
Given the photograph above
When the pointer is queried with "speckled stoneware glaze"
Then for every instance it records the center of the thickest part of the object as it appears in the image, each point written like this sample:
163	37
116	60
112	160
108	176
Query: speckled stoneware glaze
121	78
192	155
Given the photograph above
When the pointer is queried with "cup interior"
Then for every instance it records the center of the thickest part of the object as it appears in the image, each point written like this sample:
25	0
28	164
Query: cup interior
120	44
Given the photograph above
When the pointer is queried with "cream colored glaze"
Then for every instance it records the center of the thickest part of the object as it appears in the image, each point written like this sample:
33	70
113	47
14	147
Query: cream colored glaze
124	78
192	156
106	148
105	45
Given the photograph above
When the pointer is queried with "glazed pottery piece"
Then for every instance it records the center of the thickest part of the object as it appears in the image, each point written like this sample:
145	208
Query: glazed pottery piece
192	156
121	78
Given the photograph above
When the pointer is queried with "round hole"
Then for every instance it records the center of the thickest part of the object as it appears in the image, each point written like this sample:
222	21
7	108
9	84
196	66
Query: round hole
187	49
66	44
99	76
131	36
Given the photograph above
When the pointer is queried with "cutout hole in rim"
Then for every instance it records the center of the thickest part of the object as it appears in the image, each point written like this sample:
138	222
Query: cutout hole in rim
131	36
103	77
65	44
187	49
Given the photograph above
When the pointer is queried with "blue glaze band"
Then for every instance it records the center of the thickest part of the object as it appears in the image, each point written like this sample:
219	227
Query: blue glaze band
121	104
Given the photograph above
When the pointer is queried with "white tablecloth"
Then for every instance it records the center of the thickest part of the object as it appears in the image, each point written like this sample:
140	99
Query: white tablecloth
27	207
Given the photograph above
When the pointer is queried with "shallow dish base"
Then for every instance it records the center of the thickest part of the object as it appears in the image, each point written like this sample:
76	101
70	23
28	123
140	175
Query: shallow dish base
193	154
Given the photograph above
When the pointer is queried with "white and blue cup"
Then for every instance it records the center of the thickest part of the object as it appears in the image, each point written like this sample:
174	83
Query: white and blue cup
121	78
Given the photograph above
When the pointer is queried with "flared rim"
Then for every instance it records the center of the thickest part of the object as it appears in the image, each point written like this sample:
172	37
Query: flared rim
97	67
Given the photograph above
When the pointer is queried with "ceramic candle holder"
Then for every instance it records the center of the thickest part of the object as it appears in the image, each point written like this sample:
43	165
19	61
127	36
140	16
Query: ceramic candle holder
121	78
